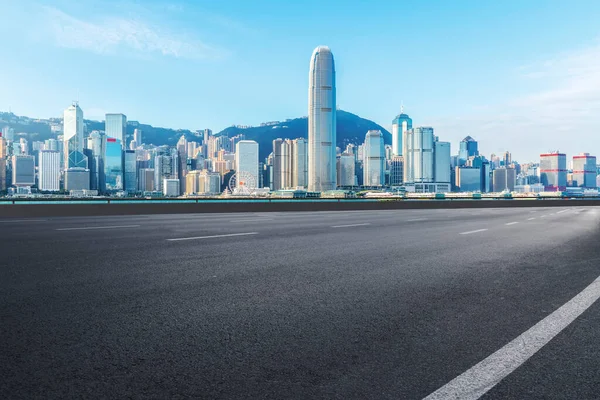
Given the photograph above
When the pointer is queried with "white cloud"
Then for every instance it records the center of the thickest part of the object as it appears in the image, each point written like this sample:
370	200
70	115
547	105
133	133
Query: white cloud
109	35
562	113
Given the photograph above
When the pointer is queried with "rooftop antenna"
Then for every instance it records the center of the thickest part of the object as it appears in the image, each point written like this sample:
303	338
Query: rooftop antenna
402	107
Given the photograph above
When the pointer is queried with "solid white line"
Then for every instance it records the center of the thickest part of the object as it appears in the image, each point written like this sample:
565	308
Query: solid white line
416	219
349	226
252	220
530	219
475	231
97	227
212	236
477	380
511	223
6	221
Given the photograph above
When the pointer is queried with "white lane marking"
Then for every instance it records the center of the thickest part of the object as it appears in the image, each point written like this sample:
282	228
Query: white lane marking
530	219
7	221
476	381
475	231
562	211
212	236
416	219
252	220
511	223
97	227
350	226
543	216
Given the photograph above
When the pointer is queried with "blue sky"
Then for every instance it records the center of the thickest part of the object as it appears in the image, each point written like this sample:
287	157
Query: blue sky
522	76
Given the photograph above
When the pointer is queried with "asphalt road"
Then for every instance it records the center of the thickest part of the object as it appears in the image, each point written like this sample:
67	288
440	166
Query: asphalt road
337	305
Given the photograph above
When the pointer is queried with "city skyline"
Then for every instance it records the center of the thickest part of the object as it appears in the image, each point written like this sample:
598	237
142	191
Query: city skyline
528	81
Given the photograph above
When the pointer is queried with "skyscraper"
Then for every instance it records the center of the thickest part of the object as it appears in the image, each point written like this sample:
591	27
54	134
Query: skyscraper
2	162
49	171
504	179
374	162
553	171
467	148
116	127
299	163
246	160
73	137
321	121
130	171
400	124
397	171
23	170
137	137
584	170
182	170
418	155
441	152
346	170
282	165
113	165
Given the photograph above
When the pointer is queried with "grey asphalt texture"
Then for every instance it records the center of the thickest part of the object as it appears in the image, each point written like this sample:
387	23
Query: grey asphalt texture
307	307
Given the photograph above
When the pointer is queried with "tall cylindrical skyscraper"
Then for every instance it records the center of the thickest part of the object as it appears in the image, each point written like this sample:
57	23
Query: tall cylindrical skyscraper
321	121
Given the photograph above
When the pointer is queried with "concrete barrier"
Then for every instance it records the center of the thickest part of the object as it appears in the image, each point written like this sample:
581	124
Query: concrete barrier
139	208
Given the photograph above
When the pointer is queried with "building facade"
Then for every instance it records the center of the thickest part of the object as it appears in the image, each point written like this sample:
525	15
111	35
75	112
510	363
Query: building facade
553	171
246	162
113	165
374	159
49	170
400	125
584	171
115	126
73	138
23	170
322	121
504	179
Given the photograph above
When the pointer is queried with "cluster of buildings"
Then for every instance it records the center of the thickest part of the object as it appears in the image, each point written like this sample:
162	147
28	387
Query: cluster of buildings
118	162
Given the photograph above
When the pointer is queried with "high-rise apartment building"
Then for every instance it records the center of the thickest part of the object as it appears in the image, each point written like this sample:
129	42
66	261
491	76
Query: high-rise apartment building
584	170
374	159
553	171
282	177
49	170
116	127
321	121
73	138
400	125
246	161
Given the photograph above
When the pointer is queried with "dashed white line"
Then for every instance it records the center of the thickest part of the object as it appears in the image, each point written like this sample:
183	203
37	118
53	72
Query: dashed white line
511	223
212	236
475	231
350	225
84	228
7	221
251	220
479	379
543	216
530	219
416	220
562	211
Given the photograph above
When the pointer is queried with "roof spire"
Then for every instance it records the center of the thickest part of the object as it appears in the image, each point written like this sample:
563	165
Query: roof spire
402	107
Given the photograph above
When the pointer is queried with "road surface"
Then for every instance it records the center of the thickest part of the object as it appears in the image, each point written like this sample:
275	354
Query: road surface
399	304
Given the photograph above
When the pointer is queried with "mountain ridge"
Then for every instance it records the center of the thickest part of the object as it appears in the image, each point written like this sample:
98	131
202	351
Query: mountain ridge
350	129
